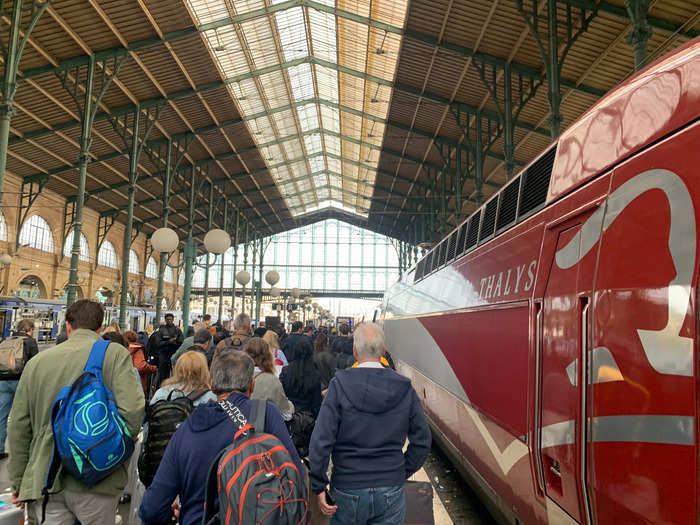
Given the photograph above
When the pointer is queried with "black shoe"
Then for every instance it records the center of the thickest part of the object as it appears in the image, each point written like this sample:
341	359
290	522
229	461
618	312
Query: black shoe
3	455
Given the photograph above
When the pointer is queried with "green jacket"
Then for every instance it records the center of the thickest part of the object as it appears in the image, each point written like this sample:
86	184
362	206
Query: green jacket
29	433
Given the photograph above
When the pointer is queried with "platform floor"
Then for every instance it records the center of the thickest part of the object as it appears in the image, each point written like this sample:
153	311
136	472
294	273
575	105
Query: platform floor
441	516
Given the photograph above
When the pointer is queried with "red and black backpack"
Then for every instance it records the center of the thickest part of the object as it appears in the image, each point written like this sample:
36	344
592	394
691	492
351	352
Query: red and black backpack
255	478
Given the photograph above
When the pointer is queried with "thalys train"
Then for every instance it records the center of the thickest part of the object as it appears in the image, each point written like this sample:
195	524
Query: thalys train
553	336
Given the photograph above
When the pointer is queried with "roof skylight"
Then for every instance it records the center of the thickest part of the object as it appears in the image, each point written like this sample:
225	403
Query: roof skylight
314	92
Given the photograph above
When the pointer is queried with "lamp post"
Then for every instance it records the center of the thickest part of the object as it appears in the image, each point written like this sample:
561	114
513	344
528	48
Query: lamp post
5	260
243	278
271	278
215	241
165	240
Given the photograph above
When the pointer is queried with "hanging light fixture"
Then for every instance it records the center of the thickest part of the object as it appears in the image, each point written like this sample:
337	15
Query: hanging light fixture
164	240
217	241
272	277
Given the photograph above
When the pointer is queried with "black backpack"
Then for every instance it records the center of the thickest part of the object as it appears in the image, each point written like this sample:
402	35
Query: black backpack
236	342
163	418
254	480
300	427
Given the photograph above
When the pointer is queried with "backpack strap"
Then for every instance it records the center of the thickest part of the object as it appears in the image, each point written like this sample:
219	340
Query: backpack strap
234	413
196	394
211	491
258	407
97	356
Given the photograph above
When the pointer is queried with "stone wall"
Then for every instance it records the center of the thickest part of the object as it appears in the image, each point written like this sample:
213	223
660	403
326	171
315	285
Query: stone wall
52	269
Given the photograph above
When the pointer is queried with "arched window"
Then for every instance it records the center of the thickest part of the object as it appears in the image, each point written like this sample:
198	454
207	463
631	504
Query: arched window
181	278
3	228
134	262
168	275
107	255
36	233
151	269
84	248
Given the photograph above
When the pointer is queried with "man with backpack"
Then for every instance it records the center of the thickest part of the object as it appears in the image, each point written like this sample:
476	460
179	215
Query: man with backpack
184	471
240	336
79	490
15	351
367	415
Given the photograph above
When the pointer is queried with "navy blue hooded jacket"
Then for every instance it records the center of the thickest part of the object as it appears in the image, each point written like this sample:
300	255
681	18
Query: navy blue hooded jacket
364	421
185	465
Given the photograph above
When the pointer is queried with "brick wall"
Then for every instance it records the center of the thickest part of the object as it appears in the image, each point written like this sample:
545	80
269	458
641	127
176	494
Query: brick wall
51	268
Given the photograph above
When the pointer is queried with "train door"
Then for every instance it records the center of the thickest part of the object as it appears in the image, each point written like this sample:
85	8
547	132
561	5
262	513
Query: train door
561	406
644	455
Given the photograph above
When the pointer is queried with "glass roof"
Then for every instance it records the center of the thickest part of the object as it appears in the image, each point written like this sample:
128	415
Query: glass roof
314	88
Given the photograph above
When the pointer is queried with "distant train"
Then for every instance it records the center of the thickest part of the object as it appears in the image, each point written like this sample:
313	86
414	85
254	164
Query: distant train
553	335
139	317
48	316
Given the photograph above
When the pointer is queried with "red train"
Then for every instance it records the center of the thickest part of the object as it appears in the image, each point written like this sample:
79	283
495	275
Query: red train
553	335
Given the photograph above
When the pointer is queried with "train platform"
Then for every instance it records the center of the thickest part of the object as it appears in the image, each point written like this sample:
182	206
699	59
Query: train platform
441	515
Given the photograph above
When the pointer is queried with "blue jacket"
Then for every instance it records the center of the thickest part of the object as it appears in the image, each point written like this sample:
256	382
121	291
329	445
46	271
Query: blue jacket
364	421
185	465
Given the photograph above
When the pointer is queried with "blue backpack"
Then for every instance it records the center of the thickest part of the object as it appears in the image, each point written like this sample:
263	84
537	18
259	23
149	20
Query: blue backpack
91	438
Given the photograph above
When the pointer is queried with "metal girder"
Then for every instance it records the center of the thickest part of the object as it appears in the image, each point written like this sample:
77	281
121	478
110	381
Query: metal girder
120	111
12	49
641	30
341	13
27	197
574	25
104	223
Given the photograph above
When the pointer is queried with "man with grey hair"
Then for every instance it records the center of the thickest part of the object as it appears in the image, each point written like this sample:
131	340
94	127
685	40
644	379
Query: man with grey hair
185	465
239	337
187	342
368	413
202	343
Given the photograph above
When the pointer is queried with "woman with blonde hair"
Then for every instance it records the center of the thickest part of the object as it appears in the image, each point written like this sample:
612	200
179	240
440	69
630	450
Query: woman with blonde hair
278	357
191	374
267	386
112	327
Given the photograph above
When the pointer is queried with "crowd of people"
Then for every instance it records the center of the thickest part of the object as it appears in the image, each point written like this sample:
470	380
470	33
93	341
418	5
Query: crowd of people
225	423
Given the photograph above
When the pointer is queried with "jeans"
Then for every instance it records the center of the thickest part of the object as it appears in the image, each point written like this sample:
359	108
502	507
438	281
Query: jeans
7	395
375	506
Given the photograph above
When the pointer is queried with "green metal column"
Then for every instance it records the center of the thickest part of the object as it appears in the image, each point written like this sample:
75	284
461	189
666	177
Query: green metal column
83	159
133	176
236	238
479	162
641	31
220	311
245	261
130	128
260	281
167	181
253	295
508	148
205	297
189	254
87	106
12	56
553	71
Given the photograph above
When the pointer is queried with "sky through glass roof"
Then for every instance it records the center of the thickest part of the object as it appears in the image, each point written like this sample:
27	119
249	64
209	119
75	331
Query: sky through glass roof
314	89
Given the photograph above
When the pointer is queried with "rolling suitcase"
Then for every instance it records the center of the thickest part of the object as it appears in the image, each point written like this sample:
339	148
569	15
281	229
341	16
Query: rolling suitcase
419	503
